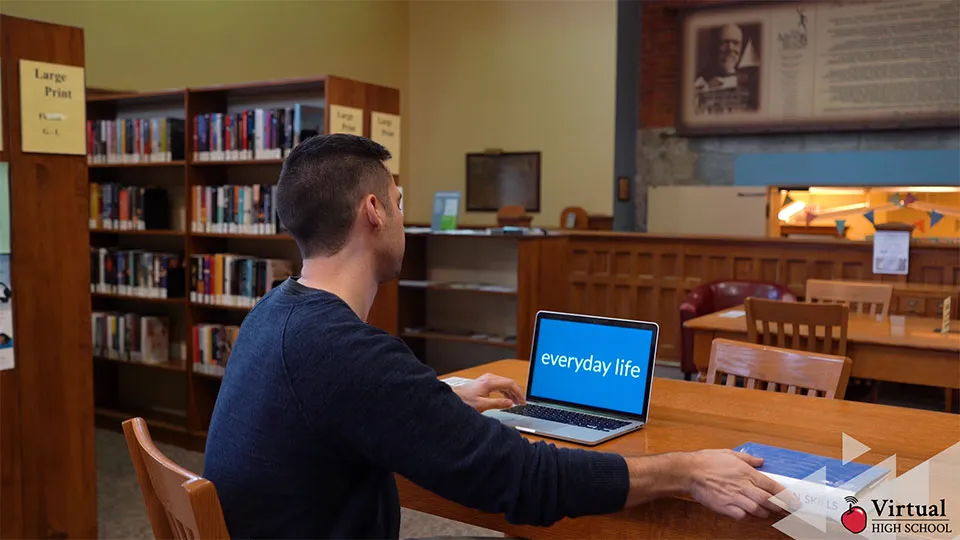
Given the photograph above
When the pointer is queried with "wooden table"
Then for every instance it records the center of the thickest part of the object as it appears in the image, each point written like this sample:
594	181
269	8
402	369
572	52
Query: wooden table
896	348
686	416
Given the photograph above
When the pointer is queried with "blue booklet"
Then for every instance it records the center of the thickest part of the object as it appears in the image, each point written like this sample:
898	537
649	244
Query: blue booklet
782	462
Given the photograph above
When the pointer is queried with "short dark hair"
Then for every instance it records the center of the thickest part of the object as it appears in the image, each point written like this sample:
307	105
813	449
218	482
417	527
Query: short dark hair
322	182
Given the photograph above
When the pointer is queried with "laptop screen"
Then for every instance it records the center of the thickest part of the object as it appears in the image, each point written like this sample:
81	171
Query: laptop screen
593	362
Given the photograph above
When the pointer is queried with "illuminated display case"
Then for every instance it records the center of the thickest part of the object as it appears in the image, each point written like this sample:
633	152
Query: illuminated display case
854	212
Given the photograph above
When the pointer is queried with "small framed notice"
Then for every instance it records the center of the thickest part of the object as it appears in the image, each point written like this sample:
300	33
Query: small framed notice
446	210
53	108
347	120
891	252
385	129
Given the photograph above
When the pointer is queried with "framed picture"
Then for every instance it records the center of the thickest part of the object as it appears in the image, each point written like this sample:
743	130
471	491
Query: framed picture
495	180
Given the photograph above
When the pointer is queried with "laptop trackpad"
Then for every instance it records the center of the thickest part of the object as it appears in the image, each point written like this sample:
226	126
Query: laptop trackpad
540	425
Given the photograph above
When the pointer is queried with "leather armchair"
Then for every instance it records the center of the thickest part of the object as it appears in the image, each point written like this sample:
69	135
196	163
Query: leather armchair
716	296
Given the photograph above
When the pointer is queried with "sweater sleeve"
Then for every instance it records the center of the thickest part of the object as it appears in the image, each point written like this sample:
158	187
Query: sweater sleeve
391	409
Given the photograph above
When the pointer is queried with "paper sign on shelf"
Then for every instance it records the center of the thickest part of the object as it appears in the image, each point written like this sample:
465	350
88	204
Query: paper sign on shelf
891	252
347	120
53	108
385	129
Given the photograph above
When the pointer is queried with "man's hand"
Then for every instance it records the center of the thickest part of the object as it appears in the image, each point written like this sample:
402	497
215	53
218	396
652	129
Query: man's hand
727	482
476	393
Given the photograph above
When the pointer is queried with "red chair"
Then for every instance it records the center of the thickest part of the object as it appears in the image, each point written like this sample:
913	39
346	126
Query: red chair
716	296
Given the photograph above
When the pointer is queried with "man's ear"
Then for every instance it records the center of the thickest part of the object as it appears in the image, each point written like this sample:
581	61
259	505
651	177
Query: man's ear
372	211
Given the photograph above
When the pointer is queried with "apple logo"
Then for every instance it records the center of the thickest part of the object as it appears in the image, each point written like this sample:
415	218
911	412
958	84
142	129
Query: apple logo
854	519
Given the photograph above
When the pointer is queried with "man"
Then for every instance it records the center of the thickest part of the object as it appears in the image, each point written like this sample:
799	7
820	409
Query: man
722	70
318	410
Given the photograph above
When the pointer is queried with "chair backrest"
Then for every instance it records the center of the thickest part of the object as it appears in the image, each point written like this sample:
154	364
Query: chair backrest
867	298
574	217
181	505
777	369
796	325
513	215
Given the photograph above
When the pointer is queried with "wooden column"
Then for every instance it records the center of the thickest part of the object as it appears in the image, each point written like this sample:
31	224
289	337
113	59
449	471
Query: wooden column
47	465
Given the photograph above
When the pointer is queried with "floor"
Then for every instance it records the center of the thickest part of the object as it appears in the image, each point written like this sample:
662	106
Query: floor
122	514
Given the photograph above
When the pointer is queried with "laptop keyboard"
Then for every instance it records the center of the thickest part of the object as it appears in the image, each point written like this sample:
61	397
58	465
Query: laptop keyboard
568	417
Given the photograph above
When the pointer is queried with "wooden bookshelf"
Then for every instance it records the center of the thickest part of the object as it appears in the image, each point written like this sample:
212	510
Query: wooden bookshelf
48	475
196	391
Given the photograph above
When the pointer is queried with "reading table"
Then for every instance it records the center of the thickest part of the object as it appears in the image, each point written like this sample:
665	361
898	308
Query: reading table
686	416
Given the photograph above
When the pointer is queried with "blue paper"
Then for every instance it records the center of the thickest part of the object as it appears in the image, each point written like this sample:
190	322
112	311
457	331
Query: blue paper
801	465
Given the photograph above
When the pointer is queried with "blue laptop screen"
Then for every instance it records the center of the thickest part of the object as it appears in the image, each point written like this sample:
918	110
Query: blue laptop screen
593	365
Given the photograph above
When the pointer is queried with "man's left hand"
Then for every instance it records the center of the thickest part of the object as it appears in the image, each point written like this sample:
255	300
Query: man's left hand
476	393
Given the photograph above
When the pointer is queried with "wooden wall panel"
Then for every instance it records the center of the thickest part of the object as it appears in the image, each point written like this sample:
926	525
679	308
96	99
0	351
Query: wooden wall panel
50	267
647	277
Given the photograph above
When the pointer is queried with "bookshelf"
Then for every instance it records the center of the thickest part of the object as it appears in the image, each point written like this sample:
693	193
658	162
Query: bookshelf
47	447
468	299
177	395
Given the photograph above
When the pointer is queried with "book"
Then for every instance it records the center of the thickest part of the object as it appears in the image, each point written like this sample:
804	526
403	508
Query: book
254	134
136	273
234	209
135	140
212	344
819	492
128	208
131	337
226	279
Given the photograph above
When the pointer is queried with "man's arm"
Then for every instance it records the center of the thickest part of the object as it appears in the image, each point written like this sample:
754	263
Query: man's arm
722	480
389	408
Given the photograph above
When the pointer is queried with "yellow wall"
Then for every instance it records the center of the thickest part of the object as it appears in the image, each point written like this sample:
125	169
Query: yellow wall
515	75
150	45
154	44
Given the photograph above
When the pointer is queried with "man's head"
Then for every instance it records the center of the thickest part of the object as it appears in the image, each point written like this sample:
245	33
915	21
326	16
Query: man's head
730	42
335	192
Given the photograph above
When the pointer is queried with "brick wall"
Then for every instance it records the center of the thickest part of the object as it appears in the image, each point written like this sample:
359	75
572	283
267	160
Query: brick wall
659	57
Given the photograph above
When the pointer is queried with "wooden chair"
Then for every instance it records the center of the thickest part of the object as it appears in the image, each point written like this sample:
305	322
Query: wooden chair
513	215
866	298
181	505
574	217
794	325
820	375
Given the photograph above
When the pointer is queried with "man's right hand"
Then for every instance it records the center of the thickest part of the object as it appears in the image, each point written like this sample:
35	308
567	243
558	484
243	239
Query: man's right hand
728	482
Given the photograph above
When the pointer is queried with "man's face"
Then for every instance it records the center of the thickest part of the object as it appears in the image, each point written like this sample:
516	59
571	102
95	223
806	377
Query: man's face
731	43
392	236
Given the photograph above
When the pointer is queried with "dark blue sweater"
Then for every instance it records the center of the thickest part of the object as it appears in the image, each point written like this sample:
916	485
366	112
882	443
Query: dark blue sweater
318	410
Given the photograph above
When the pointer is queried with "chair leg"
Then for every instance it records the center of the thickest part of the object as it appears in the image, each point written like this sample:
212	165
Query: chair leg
948	401
686	376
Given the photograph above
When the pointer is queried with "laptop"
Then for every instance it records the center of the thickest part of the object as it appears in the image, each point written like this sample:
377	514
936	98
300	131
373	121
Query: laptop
589	378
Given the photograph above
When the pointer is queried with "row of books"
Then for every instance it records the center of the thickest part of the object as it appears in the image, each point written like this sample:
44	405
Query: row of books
131	337
136	273
130	208
235	209
135	140
254	134
212	344
234	280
